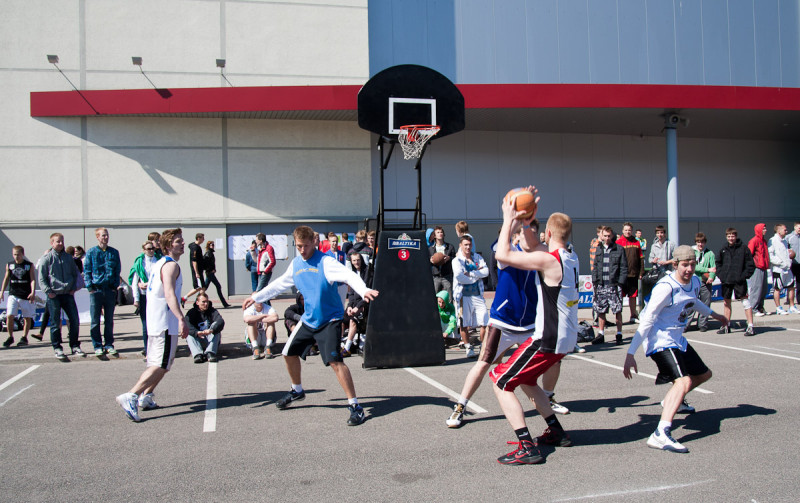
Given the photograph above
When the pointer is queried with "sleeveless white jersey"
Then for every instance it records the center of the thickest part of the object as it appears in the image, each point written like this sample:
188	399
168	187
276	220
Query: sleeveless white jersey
557	310
159	317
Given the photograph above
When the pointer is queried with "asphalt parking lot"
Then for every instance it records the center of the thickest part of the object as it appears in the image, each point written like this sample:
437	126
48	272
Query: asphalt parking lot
219	437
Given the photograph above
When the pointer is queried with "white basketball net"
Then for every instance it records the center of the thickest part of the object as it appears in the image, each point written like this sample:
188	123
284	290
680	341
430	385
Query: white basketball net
413	138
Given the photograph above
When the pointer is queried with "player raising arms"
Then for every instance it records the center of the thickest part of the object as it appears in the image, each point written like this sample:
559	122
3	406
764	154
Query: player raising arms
316	275
557	285
672	304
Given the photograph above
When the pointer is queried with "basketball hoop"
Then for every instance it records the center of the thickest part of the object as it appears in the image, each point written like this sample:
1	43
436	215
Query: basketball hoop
413	138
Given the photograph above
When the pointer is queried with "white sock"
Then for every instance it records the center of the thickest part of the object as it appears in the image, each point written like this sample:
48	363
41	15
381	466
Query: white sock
463	401
348	344
664	424
298	388
352	401
270	342
600	332
548	392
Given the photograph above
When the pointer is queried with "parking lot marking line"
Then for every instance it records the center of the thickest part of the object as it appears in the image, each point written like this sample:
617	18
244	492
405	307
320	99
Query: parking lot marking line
777	349
636	491
701	390
746	350
18	377
210	420
15	394
470	405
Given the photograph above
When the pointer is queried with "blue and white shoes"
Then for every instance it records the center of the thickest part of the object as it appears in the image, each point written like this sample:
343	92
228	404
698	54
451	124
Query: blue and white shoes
663	440
130	404
146	402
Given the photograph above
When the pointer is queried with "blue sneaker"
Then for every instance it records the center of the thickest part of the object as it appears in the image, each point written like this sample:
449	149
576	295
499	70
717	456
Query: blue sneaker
291	396
130	404
356	415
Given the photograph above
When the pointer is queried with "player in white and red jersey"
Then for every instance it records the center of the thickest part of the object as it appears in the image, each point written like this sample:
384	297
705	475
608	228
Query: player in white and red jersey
554	337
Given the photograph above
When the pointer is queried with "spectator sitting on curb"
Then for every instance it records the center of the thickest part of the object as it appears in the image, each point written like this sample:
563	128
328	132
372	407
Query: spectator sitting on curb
205	329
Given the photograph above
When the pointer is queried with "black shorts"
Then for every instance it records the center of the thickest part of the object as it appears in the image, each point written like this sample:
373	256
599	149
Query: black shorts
779	281
673	363
327	338
631	287
740	289
795	270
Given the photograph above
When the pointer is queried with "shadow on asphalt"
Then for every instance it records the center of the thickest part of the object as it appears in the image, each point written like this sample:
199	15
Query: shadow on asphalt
707	422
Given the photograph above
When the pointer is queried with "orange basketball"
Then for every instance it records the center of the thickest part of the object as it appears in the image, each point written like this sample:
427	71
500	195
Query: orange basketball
523	201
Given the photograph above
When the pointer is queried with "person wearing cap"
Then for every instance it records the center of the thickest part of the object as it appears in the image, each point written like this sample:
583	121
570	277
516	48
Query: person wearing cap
672	304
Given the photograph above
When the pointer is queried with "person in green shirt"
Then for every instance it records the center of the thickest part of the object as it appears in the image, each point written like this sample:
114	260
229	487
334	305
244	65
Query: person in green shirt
447	314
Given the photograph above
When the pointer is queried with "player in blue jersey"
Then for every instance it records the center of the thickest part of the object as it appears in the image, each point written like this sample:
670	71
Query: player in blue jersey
315	275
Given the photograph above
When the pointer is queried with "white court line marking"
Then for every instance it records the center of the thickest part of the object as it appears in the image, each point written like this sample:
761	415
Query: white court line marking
794	344
743	349
636	491
18	377
15	394
210	420
470	405
777	349
792	329
701	390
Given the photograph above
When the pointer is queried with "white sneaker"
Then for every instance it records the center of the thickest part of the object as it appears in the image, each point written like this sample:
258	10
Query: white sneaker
129	403
471	352
557	407
794	310
455	419
146	402
781	310
683	408
578	349
760	313
663	440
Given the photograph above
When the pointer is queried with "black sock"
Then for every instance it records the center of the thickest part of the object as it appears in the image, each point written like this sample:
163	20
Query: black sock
523	435
552	422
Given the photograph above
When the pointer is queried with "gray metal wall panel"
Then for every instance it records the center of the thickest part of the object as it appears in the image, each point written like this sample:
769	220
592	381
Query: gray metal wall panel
742	42
573	41
790	43
441	33
661	42
633	41
543	53
689	40
603	42
476	45
716	48
767	44
510	38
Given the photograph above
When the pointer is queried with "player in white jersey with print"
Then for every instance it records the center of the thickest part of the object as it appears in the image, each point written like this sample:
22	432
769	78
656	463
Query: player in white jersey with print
671	307
554	336
165	323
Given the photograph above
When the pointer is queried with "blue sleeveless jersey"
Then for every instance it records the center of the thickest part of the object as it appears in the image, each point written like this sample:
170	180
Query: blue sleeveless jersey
322	301
515	300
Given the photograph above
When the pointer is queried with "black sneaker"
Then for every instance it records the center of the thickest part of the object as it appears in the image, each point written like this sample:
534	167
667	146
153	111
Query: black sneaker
8	342
526	454
211	357
554	437
619	340
198	358
600	339
291	396
356	415
724	330
23	341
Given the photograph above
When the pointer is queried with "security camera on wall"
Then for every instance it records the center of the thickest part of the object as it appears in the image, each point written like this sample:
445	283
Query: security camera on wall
673	119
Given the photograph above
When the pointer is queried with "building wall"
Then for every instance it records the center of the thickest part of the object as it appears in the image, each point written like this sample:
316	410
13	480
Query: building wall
138	174
702	42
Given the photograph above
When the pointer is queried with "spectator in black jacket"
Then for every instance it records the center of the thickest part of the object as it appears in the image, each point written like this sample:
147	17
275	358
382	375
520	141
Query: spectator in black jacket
608	276
442	274
735	265
293	314
205	329
356	310
210	269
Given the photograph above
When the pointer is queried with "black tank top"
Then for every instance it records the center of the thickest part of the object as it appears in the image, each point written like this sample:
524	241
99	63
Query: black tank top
20	285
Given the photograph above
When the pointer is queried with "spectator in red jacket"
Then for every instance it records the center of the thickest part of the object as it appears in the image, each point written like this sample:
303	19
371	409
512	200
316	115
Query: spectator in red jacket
757	284
635	258
265	262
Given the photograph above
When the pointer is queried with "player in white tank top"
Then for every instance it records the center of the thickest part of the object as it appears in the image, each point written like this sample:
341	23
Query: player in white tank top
159	317
165	323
